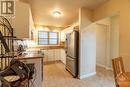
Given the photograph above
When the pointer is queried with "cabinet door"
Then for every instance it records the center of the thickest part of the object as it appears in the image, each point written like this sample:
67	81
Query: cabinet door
57	54
63	56
51	55
45	55
21	21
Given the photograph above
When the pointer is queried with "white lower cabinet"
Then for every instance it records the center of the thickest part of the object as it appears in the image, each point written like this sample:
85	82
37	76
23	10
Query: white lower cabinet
55	54
45	55
63	56
51	54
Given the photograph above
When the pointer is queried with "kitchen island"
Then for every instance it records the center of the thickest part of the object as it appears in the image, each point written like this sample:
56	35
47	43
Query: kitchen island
35	58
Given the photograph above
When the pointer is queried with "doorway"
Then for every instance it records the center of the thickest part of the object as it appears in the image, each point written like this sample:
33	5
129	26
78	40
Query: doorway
107	41
102	43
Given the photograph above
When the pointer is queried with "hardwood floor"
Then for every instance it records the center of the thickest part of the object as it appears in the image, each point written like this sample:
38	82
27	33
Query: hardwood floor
55	75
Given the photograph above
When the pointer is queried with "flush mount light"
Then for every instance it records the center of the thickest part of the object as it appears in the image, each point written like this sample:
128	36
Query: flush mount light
56	13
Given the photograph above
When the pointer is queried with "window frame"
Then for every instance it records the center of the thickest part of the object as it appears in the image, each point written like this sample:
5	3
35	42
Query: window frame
48	39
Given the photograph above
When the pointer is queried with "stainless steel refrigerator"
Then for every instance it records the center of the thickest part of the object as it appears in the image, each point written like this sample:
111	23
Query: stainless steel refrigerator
72	40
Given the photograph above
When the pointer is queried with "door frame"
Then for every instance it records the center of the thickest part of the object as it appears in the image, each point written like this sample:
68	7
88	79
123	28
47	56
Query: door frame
108	61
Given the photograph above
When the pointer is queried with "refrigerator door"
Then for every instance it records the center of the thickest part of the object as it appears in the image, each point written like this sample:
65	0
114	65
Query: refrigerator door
72	44
71	66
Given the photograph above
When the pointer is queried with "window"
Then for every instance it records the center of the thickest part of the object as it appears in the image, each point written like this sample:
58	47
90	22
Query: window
47	38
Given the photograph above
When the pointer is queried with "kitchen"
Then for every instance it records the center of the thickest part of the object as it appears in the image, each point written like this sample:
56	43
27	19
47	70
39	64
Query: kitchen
54	51
66	42
53	48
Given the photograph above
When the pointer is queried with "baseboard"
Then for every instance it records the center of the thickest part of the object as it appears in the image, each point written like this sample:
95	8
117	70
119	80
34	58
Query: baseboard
103	66
87	75
100	65
109	68
51	62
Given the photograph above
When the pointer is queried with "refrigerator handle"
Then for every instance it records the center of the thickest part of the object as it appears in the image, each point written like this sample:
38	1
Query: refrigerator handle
66	48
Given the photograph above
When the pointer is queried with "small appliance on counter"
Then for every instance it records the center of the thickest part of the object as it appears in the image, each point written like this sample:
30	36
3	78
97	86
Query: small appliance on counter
19	46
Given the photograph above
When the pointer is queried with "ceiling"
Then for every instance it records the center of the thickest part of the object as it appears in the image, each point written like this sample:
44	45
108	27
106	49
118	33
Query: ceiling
42	10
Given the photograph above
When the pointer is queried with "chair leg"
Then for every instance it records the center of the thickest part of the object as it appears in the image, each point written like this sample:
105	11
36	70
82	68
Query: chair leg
116	85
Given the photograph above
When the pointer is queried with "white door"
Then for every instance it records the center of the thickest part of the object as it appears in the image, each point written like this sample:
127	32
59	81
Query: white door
101	45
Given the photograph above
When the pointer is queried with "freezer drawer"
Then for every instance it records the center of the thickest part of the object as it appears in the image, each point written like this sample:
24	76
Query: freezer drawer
72	66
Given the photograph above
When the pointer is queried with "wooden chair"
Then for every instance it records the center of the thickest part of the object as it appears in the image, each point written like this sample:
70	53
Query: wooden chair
121	77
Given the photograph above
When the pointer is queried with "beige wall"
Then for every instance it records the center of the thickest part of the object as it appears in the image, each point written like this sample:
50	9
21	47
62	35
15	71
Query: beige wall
114	52
122	8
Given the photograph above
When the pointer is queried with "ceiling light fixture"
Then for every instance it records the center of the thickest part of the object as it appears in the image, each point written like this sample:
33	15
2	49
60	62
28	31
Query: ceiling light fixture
56	13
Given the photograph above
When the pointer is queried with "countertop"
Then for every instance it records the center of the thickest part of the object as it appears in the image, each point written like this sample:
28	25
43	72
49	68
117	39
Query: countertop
30	54
47	47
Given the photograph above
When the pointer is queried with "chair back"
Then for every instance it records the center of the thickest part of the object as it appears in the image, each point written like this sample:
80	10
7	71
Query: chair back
118	68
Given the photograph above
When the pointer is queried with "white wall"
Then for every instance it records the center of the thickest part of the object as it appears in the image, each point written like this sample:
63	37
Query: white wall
88	54
122	8
114	37
112	45
87	48
103	58
90	51
68	30
101	45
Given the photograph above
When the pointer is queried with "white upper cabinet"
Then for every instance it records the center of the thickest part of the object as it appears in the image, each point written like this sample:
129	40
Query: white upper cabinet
68	30
22	23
